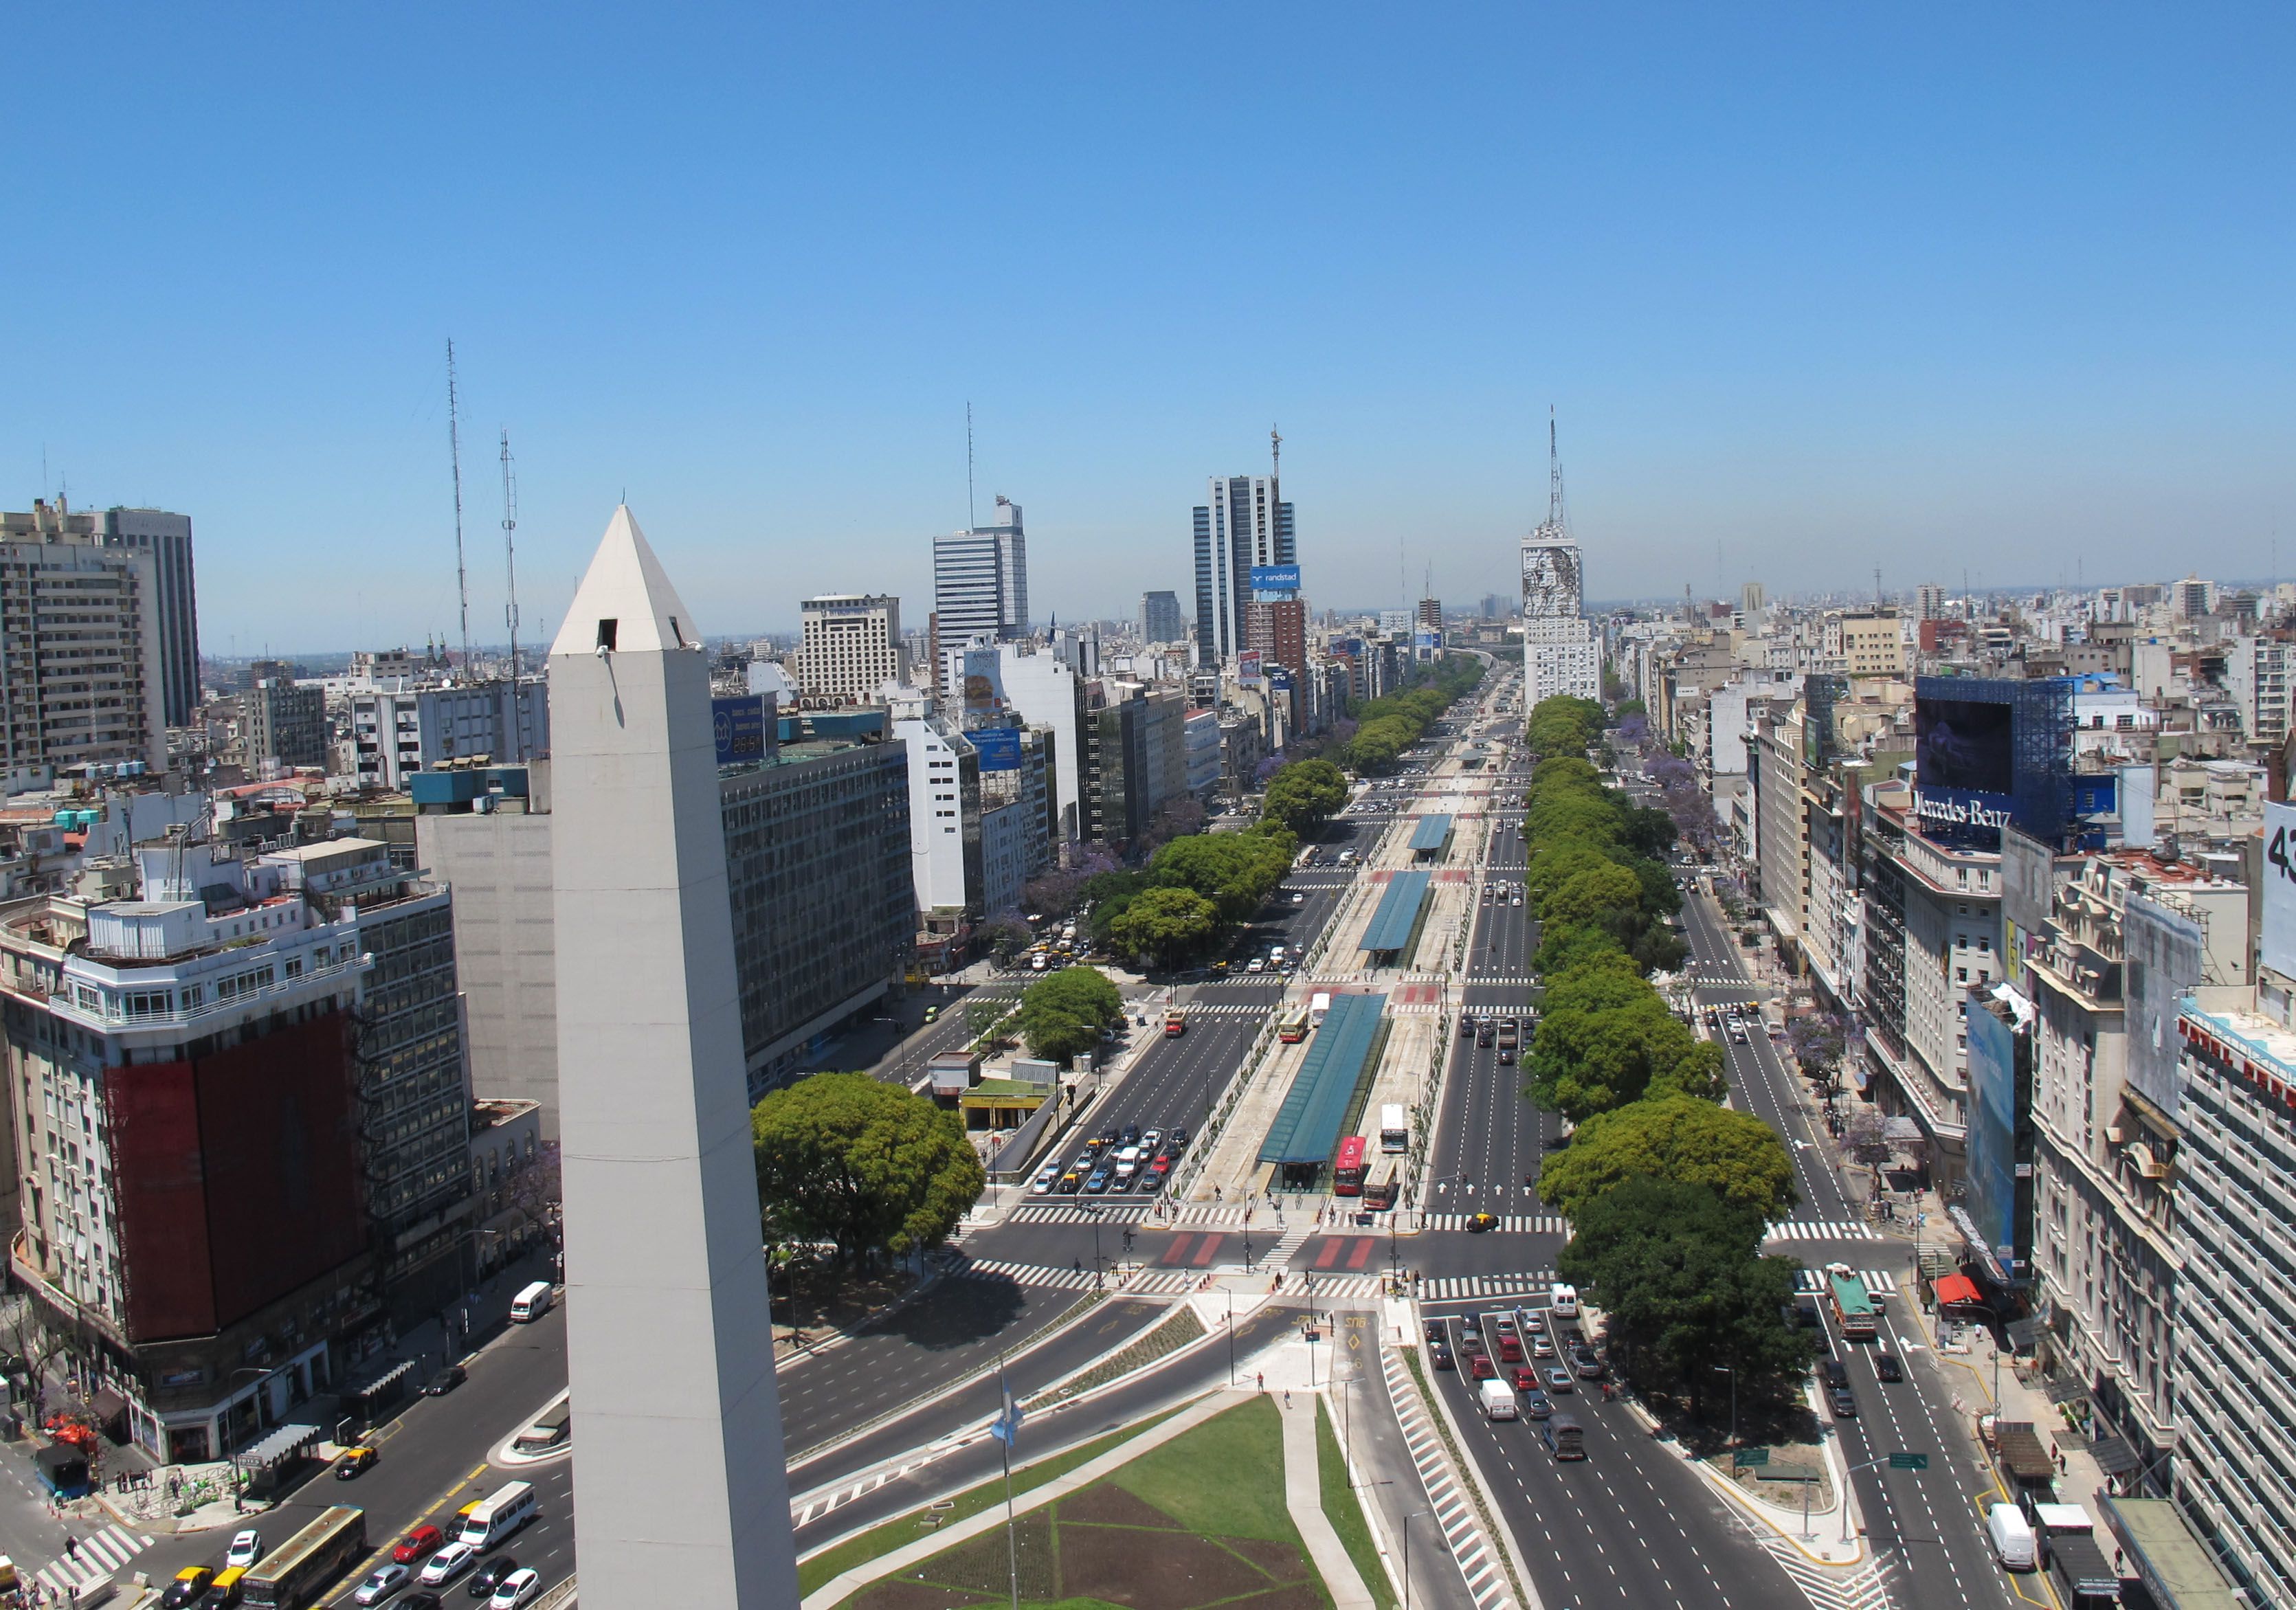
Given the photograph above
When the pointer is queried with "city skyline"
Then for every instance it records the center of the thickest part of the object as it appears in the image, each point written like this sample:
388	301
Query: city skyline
1937	331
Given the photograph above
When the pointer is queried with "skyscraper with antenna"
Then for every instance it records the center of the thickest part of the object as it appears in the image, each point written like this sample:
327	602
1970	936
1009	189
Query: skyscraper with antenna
1560	655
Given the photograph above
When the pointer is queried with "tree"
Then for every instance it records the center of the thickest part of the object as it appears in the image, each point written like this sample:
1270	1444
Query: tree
1673	1137
1305	795
1815	1040
851	1160
1063	1013
1588	1059
1008	935
1169	927
1235	871
1593	894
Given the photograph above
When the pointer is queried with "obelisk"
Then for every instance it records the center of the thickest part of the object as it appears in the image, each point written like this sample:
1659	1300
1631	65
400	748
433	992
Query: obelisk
680	1493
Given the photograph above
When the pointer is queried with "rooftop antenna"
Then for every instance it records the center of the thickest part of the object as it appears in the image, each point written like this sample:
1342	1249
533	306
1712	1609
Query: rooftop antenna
1274	453
971	518
1554	476
510	555
1877	587
454	453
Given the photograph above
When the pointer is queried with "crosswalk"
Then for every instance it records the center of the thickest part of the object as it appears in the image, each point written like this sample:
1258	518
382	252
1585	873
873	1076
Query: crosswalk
1117	1212
1522	981
1823	1229
99	1554
1148	1280
1454	1289
1878	1282
1515	1225
1229	1009
1827	1588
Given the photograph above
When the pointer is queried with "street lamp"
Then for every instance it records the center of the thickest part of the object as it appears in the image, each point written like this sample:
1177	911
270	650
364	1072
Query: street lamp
1414	1515
1732	1372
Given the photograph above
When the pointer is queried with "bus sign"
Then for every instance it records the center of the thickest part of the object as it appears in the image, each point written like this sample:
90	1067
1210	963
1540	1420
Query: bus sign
1748	1459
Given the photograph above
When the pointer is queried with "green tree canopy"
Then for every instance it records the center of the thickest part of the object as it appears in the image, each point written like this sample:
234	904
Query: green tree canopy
1063	1013
1235	871
1169	927
1589	1059
1673	1137
1592	895
846	1158
1305	795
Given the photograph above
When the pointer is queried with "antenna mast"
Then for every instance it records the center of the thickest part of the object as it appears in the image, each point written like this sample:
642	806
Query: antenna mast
510	552
454	453
1554	476
1274	453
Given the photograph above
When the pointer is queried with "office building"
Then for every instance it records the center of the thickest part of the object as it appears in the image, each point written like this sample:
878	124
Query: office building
1870	645
665	1276
1429	617
981	580
1559	654
1048	693
168	539
1244	523
283	726
79	622
850	648
1160	621
246	1141
399	730
1276	630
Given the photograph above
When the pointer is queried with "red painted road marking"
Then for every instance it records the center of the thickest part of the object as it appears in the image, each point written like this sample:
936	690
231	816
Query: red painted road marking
1176	1250
1361	1254
1207	1250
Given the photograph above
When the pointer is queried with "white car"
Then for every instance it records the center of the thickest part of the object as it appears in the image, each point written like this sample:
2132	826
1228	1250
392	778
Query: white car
246	1549
521	1586
1045	1178
380	1583
447	1563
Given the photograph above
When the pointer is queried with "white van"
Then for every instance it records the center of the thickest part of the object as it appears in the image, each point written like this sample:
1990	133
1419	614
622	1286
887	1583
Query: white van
1564	1300
531	1303
2012	1536
1498	1401
496	1517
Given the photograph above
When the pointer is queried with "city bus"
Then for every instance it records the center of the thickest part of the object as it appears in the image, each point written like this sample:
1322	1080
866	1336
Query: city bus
1853	1307
1379	1196
298	1570
1291	1026
1394	1128
1349	1168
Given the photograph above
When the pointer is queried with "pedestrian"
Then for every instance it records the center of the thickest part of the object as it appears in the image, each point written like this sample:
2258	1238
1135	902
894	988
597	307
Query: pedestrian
1261	1377
1287	1397
72	1546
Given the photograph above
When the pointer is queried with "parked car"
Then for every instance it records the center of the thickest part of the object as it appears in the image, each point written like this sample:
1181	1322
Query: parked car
445	1381
1587	1362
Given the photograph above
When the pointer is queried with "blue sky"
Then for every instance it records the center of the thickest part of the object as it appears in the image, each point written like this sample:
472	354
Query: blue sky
1813	289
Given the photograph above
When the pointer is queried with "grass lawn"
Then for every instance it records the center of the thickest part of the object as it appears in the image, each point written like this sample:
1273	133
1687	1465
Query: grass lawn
1223	1479
880	1540
1346	1515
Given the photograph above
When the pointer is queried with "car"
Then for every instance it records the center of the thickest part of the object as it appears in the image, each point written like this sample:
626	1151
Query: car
1046	1178
380	1583
1483	1035
1534	1323
1097	1183
1299	900
189	1582
1130	1135
1480	1366
1435	1331
1256	965
445	1381
1525	1378
1886	1366
1466	1026
246	1549
933	1014
1506	1056
1110	1137
1541	1348
1538	1405
1737	1034
447	1565
1150	1139
355	1461
518	1588
492	1575
1178	1140
1068	1183
418	1545
1160	1164
1505	1322
1482	1221
1844	1405
422	1601
1587	1362
1470	1340
1558	1380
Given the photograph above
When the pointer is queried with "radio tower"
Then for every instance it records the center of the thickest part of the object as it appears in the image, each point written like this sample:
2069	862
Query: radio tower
1553	478
510	552
454	453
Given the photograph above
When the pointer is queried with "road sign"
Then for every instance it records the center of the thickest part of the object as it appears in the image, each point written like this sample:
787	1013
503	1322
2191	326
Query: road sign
1747	1457
1909	1461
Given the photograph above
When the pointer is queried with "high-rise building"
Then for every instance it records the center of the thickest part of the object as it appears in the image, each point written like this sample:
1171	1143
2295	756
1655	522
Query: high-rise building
663	1264
284	725
168	539
1752	599
1431	615
981	580
1160	621
397	732
1928	602
79	622
1560	655
851	646
1278	629
1244	524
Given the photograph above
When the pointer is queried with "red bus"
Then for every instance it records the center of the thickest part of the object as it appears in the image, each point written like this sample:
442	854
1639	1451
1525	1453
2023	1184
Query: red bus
1379	1196
1348	1168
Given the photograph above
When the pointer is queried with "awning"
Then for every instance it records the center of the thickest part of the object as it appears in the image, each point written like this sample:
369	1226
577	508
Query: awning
2113	1455
384	1382
2058	1390
1958	1289
283	1443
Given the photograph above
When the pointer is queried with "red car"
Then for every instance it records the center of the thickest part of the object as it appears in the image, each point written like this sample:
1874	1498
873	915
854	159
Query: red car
1526	1379
1480	1366
417	1546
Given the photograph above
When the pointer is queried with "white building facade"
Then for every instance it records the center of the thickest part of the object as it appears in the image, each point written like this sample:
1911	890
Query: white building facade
850	646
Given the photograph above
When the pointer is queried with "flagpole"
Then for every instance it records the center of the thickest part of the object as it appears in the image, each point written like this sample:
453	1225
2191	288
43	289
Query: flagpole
1005	1444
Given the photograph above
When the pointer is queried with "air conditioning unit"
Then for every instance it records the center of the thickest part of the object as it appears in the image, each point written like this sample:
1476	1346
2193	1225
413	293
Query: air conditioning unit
2116	1134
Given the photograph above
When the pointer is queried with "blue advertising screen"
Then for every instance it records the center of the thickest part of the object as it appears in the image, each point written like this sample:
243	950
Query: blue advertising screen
1276	578
999	748
740	723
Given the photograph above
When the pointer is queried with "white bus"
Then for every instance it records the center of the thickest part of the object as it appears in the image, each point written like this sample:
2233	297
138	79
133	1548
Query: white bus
504	1512
1394	1129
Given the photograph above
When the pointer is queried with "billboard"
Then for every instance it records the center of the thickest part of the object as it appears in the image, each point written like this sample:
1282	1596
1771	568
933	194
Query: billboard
999	748
1989	752
2160	965
1247	667
1276	578
1963	744
739	726
2279	880
2001	1134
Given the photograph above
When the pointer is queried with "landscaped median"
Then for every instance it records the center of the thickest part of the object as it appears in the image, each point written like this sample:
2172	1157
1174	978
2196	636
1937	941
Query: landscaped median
1177	1514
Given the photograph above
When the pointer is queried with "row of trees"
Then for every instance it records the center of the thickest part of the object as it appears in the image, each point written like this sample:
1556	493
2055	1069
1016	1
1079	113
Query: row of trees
1668	1192
1387	726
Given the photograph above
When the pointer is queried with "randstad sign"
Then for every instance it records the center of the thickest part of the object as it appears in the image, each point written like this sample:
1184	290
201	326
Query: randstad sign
1961	808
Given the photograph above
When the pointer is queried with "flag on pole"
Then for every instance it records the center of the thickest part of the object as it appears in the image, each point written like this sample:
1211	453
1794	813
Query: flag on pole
1006	1427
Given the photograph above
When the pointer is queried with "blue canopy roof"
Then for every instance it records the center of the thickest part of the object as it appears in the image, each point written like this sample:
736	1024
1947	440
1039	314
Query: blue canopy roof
1306	1127
1398	911
1433	833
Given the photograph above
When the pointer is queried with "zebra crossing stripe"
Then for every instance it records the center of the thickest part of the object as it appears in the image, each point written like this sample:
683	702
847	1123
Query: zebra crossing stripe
1878	1282
1827	1229
101	1553
1451	1288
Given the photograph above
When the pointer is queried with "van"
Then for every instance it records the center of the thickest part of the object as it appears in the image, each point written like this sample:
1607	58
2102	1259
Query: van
1564	1300
532	1302
1498	1401
497	1516
2012	1537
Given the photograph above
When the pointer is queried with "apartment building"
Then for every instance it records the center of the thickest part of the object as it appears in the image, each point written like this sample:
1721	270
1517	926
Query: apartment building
850	646
399	731
283	726
79	637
